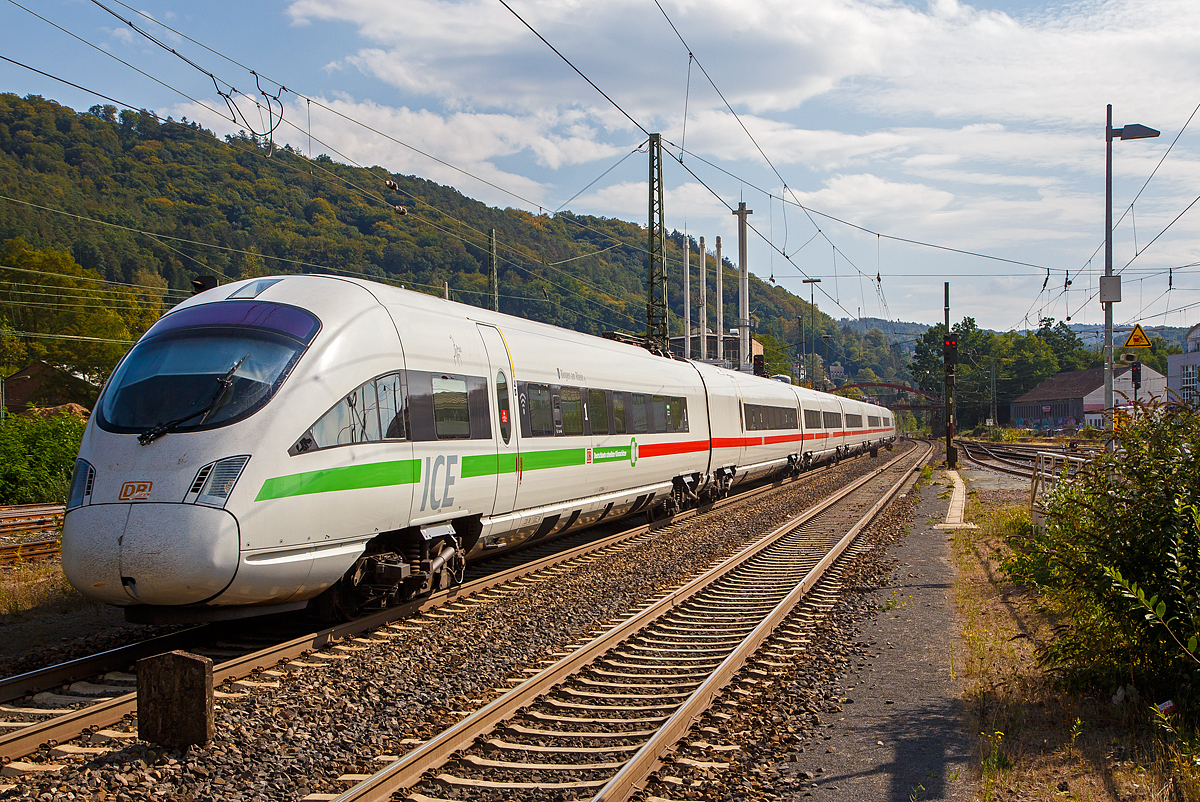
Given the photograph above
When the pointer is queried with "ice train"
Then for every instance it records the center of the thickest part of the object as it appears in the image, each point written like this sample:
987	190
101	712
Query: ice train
290	441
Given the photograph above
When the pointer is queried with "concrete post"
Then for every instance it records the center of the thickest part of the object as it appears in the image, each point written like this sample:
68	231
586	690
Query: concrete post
720	306
175	699
687	297
703	301
743	287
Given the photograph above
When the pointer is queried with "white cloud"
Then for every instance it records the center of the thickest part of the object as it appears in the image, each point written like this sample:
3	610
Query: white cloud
938	122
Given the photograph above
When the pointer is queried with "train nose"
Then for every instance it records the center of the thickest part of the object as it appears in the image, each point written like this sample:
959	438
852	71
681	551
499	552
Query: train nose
159	554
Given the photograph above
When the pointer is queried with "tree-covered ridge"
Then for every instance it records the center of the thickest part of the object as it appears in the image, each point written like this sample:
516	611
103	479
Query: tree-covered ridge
238	208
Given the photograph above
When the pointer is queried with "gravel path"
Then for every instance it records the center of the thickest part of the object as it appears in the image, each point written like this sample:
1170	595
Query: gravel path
297	731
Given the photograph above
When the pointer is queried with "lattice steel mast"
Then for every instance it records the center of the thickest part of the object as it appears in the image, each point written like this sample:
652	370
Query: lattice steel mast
656	282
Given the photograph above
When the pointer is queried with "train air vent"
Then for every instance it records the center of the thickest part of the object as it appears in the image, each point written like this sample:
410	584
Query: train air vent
200	477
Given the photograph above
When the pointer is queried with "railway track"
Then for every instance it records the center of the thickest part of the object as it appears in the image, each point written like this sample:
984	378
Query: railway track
12	553
54	714
995	458
597	722
21	518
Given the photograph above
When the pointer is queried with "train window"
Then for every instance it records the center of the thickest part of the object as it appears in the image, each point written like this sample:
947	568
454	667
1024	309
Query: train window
853	421
502	409
571	403
618	405
541	415
451	415
812	419
833	420
354	419
677	415
597	411
760	417
887	421
390	390
873	421
640	421
658	413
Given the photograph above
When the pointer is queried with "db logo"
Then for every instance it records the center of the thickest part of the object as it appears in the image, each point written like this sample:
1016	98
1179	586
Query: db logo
135	491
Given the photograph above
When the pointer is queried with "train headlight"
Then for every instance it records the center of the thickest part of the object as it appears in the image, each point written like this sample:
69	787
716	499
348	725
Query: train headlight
214	482
81	484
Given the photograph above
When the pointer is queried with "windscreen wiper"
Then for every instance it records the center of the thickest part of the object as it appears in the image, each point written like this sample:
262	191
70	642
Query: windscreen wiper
220	396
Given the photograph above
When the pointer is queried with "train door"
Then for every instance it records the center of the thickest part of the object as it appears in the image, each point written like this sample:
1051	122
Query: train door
503	397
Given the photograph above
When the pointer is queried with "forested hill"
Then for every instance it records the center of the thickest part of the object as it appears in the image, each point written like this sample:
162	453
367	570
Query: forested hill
179	202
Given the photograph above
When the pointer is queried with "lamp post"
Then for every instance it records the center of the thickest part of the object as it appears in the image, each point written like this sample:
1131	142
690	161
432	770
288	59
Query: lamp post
812	294
1110	286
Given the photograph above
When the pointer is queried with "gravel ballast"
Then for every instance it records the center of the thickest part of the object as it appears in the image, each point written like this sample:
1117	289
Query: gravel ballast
287	733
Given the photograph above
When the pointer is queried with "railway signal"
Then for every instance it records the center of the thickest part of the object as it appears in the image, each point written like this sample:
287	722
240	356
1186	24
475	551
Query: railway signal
950	350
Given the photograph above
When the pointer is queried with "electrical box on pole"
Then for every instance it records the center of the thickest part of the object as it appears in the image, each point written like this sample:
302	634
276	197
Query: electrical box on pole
656	281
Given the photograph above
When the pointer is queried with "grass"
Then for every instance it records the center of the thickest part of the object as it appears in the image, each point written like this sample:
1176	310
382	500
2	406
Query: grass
1036	741
36	588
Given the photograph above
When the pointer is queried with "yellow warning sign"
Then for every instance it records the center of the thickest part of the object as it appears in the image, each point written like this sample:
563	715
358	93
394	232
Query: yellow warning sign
1137	338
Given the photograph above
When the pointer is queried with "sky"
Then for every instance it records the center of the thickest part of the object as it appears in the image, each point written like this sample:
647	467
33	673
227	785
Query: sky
860	132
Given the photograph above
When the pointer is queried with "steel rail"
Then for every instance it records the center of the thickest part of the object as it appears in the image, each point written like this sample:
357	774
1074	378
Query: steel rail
32	550
631	778
407	771
1009	467
20	742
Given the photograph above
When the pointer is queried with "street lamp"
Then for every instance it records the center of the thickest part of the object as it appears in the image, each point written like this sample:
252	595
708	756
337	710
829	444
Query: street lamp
1110	286
813	329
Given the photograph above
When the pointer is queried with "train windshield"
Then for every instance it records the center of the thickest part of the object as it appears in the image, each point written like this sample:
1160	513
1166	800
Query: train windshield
199	372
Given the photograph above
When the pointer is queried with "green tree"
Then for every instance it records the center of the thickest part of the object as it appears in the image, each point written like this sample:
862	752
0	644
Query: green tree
1068	349
67	321
12	352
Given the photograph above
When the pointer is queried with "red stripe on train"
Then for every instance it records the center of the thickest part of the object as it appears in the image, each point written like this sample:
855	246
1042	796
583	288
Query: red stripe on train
690	446
665	449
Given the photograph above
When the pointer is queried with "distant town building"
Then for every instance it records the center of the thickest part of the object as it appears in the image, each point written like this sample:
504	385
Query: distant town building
836	372
731	344
42	385
1071	399
1181	369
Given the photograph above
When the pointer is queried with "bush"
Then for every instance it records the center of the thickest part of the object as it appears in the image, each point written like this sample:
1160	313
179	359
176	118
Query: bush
1127	518
37	456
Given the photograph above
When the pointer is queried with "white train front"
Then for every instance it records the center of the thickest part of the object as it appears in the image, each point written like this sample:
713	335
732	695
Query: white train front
281	441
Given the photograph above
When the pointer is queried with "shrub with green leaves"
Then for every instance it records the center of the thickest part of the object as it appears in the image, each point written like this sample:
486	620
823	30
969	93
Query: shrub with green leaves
37	456
1119	559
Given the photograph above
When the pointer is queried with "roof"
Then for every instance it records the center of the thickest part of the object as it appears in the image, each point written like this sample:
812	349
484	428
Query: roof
1075	384
1072	384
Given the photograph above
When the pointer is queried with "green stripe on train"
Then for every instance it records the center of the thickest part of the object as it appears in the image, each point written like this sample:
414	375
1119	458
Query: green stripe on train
488	465
491	464
351	477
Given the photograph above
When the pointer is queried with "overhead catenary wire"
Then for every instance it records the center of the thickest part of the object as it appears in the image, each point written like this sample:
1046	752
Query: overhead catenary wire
782	199
309	100
40	335
515	195
864	229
